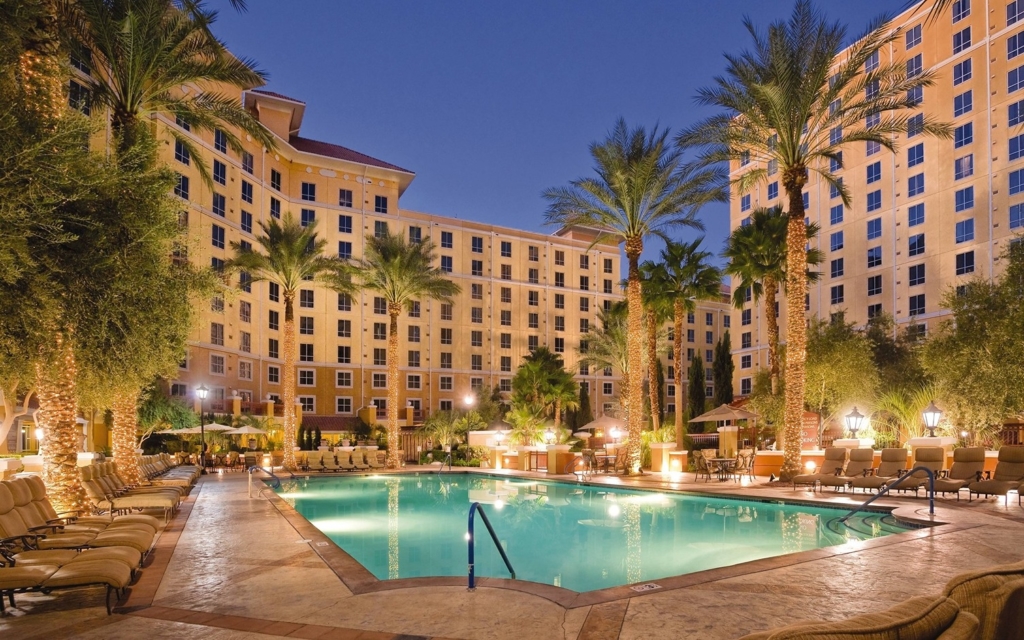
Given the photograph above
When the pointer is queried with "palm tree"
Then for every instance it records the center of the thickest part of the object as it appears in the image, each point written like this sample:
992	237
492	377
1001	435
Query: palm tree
791	105
899	411
607	348
657	309
757	260
146	52
291	256
562	394
401	273
642	188
686	276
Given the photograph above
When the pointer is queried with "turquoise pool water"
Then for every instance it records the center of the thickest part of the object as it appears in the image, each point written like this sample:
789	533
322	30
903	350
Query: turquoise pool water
577	537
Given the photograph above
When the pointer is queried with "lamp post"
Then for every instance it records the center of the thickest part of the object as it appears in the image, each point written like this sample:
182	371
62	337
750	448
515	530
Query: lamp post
201	392
932	415
549	436
854	421
615	433
469	400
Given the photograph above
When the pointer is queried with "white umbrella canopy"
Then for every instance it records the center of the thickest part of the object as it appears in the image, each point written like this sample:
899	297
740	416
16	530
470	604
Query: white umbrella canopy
189	431
604	422
213	426
246	430
723	413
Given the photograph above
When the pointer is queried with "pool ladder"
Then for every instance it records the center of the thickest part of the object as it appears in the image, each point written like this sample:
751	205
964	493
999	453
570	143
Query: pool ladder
471	543
447	460
892	485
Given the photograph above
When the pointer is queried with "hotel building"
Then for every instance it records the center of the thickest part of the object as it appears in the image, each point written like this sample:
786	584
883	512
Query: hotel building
936	213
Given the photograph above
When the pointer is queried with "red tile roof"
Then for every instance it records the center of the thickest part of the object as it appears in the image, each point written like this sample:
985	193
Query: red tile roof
328	423
337	151
274	94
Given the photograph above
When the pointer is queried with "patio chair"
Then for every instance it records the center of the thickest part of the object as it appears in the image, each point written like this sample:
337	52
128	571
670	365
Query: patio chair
79	572
993	594
894	462
1008	476
858	466
315	461
709	455
251	460
833	463
701	466
329	463
345	461
933	458
232	460
968	464
46	510
744	465
373	459
359	461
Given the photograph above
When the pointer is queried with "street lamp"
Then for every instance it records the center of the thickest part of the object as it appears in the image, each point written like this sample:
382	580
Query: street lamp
615	433
201	393
549	436
469	400
499	437
932	415
854	421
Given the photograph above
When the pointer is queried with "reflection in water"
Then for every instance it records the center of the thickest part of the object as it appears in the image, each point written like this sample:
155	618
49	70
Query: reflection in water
393	529
633	560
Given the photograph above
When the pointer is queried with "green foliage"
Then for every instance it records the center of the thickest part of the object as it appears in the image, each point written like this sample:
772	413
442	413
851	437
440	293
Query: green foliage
527	426
402	272
695	398
542	383
899	413
585	415
897	354
157	410
723	368
769	406
317	438
606	346
660	382
445	428
840	369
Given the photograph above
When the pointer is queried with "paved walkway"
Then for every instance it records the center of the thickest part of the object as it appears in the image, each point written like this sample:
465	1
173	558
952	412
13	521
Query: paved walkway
233	567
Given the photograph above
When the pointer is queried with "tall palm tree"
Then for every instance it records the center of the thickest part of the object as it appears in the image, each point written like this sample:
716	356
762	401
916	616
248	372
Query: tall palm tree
757	260
146	54
792	104
658	309
686	276
607	348
401	273
642	188
562	394
292	256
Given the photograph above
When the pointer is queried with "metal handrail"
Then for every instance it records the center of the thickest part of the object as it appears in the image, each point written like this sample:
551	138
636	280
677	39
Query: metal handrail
885	489
582	473
447	459
471	543
270	473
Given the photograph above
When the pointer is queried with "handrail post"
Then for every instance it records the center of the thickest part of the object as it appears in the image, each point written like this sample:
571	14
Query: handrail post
471	544
885	489
469	532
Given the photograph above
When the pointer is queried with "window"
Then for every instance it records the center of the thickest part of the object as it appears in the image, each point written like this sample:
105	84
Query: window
964	167
874	257
915	275
584	261
380	306
476	338
247	192
745	340
344	328
181	188
835	135
837	294
414	333
217	304
305	325
965	230
533	254
915	245
506	295
344	354
607	265
415	235
446	311
306	352
584	325
963	135
915	215
246	222
872	147
961	40
584	305
344	302
181	153
380	356
247	162
608	388
709	337
915	95
380	381
446	264
447	241
965	197
274	292
915	187
745	203
1017	210
533	320
836	214
307	377
79	98
477	315
343	405
345	198
917	305
533	275
874	310
875	199
307	217
220	206
559	323
309	191
1015	79
874	172
446	336
963	103
874	228
727	321
961	9
837	268
217	334
1016	181
559	278
273	320
915	155
1014	12
836	241
218	236
477	244
380	229
913	37
476	362
344	250
914	66
964	263
1015	45
608	286
414	358
915	125
745	319
871	63
274	375
584	283
532	342
773	190
306	298
477	291
275	207
220	172
874	285
273	347
217	264
380	204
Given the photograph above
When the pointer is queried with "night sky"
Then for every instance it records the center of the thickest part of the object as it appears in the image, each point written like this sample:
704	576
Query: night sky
492	102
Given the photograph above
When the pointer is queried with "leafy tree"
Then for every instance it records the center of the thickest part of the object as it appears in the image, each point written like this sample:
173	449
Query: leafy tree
289	255
402	273
840	370
642	188
696	397
527	426
445	428
757	261
896	354
723	369
770	407
794	102
585	414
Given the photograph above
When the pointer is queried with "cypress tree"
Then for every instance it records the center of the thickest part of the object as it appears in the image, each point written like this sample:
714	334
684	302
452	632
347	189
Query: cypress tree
585	415
695	389
301	439
317	439
723	370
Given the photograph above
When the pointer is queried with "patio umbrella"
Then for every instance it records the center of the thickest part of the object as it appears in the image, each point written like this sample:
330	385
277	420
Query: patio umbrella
723	414
605	423
213	426
242	431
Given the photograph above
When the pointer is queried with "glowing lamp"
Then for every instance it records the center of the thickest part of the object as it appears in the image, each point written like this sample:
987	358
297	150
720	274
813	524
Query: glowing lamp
549	436
615	433
932	415
469	400
855	421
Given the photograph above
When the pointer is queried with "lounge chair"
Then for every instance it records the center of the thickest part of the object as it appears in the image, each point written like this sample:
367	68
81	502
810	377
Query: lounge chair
329	463
358	461
373	459
345	461
894	462
995	595
968	464
859	465
315	461
933	458
82	571
1008	476
73	519
834	463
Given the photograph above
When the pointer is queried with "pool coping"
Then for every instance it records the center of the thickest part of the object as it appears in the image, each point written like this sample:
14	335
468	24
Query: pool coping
359	580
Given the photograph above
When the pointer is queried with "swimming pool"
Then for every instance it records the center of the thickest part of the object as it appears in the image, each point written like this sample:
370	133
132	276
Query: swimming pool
577	537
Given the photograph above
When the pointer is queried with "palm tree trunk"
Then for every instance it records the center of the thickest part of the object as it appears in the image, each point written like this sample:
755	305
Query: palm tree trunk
58	410
796	326
652	369
634	361
392	462
558	414
771	292
677	359
41	71
288	381
125	409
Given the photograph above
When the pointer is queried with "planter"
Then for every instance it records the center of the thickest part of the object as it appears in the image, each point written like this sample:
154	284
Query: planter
660	462
9	467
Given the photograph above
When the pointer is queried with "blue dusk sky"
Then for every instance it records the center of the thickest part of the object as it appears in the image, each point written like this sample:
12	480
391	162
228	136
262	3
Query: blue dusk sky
488	102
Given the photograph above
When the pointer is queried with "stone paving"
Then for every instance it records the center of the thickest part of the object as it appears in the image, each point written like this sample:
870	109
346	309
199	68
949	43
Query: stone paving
231	567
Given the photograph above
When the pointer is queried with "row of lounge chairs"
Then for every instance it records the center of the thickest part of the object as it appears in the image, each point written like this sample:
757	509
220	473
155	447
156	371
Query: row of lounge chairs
854	469
42	550
333	461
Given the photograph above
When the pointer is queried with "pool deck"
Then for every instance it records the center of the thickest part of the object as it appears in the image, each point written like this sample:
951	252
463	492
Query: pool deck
229	566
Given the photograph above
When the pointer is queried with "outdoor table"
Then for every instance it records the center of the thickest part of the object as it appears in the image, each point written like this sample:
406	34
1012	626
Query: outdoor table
725	466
